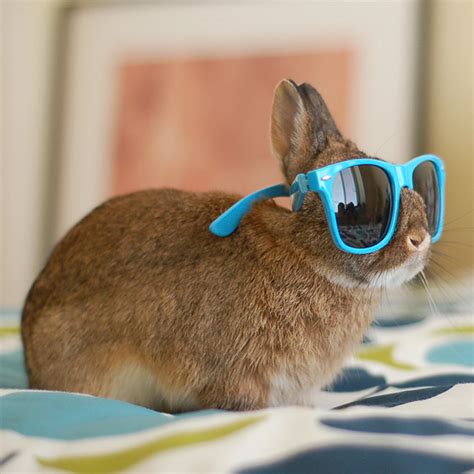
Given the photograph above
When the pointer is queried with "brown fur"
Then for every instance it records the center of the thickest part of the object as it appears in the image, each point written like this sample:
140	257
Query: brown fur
141	288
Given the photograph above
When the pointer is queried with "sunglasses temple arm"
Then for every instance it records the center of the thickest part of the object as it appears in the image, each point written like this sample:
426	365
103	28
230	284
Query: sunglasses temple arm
228	222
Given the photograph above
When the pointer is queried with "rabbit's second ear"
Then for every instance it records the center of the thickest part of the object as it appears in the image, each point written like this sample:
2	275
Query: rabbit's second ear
300	127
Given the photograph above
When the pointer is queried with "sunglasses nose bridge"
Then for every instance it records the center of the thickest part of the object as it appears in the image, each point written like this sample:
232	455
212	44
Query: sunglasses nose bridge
404	177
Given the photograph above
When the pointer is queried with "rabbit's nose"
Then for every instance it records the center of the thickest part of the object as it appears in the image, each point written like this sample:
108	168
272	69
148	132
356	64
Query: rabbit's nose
418	241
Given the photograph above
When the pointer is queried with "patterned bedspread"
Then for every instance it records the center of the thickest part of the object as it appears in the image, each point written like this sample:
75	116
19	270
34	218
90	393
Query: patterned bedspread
405	403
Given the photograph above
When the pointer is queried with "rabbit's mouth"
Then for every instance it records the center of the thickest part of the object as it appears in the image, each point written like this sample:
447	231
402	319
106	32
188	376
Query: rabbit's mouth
398	275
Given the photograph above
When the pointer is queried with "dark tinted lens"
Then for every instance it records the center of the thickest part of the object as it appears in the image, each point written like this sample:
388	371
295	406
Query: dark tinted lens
425	183
362	202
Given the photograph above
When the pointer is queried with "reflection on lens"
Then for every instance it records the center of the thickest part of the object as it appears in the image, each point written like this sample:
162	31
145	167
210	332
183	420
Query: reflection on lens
425	183
362	202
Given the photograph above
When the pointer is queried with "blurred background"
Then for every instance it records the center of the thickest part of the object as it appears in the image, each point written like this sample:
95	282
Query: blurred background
101	98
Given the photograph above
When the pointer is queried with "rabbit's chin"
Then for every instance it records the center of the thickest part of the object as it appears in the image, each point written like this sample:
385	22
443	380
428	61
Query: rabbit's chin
394	277
379	279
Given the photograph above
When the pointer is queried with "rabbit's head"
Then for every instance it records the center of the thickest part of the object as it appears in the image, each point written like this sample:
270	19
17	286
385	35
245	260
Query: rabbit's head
304	137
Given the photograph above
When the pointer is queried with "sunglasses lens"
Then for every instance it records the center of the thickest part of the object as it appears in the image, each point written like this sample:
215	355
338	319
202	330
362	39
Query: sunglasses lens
425	183
362	202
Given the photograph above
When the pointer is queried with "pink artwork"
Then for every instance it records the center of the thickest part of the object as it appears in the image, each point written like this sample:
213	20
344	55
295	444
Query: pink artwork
203	124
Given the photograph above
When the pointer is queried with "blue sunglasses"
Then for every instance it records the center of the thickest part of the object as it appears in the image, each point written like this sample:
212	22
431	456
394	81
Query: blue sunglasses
361	198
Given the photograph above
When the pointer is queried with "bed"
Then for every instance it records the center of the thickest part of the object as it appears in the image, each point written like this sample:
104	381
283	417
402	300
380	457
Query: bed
404	403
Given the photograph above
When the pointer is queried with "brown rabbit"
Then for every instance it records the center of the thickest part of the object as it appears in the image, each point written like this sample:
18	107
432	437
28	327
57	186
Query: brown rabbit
141	302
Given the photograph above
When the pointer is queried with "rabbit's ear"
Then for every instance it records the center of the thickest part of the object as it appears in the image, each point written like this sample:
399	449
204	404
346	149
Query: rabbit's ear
287	110
300	127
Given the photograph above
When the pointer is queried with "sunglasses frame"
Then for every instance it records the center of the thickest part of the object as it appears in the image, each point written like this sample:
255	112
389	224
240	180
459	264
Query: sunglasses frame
400	176
321	181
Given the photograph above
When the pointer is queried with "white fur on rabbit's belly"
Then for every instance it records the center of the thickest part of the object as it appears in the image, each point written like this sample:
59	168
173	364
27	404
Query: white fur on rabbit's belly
287	390
137	384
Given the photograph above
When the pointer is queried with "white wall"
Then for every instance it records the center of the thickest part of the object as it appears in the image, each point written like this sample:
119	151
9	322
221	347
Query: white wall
27	34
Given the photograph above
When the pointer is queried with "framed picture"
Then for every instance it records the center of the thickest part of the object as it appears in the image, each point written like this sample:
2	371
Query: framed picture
179	94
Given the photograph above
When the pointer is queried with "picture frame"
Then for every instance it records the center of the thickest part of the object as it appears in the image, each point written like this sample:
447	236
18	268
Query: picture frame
383	93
